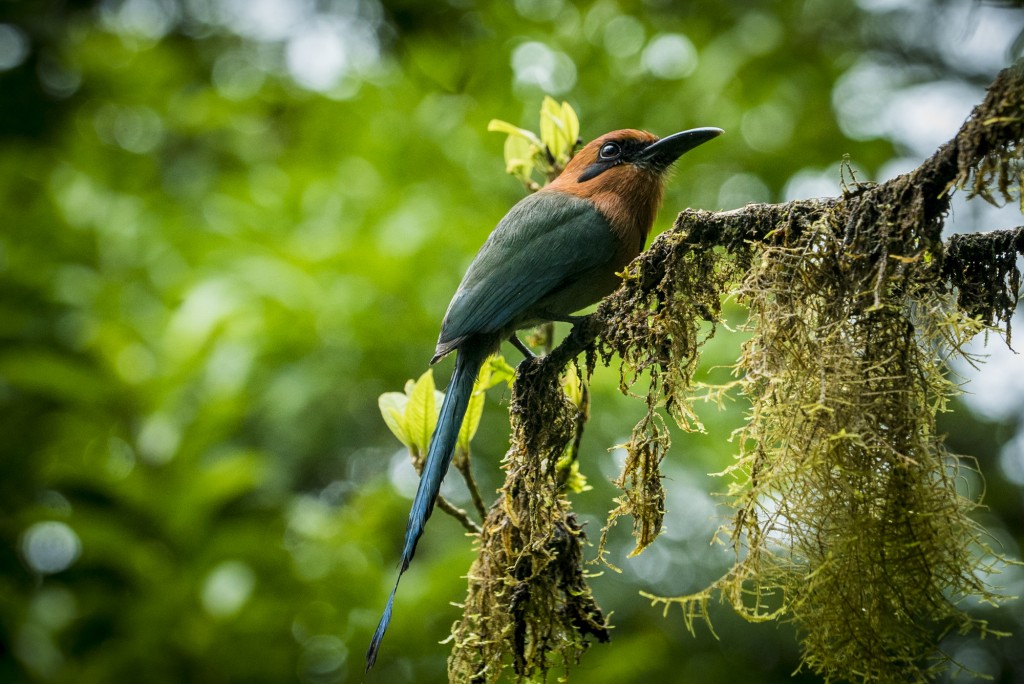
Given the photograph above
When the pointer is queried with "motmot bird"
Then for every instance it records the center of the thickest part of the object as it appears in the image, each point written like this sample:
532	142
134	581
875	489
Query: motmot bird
557	251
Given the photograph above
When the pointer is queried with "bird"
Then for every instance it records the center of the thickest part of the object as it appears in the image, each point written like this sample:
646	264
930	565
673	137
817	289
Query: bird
557	251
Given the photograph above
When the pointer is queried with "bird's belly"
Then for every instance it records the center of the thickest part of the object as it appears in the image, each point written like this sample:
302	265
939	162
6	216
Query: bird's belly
589	289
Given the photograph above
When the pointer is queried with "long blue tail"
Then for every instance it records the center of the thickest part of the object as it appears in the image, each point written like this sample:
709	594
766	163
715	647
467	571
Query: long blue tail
439	457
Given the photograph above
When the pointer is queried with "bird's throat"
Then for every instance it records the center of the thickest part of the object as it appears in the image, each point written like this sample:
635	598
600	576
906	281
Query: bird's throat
630	214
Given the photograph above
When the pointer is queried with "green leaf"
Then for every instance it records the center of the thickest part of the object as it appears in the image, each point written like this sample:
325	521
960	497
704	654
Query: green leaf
499	126
519	157
572	125
501	371
474	409
550	113
526	152
421	413
495	371
57	376
573	386
568	469
559	129
392	409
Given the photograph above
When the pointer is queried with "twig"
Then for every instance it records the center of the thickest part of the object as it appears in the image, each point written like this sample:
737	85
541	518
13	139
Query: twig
464	467
459	514
581	418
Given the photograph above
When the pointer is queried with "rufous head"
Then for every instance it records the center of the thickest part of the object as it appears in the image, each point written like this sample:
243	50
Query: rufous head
622	173
627	152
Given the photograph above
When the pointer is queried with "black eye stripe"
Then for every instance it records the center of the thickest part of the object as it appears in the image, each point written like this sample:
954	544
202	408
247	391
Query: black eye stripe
611	154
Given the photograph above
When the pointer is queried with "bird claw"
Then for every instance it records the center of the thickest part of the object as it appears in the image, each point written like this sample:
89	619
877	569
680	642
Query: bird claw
521	346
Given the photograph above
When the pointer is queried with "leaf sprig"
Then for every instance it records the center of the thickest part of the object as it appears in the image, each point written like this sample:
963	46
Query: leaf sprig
526	152
412	415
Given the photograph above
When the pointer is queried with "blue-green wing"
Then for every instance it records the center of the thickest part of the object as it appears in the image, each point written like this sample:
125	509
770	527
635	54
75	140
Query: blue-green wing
545	241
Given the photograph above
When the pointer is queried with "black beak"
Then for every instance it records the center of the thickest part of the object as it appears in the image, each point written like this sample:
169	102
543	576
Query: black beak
662	153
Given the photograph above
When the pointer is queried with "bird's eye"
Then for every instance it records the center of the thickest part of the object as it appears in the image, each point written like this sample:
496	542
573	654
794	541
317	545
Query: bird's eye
609	150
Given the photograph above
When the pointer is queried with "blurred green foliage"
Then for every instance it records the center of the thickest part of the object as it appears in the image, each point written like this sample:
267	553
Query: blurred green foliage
227	227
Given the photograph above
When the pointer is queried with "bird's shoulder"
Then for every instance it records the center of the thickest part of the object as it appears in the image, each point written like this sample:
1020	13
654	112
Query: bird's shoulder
543	234
545	211
545	240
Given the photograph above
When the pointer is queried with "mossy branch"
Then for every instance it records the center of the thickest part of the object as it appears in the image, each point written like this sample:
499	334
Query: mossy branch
848	522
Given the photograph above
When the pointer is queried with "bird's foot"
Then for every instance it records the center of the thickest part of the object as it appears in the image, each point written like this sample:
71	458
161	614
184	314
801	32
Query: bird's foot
521	346
575	320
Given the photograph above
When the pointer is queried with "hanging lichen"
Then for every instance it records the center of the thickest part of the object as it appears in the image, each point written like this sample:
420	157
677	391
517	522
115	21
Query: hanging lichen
849	521
528	604
658	329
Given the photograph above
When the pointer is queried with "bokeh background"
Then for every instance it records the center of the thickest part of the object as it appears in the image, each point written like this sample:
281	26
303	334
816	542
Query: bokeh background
226	226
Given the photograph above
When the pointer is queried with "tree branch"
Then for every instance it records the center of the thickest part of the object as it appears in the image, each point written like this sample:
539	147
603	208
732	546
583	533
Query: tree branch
980	149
